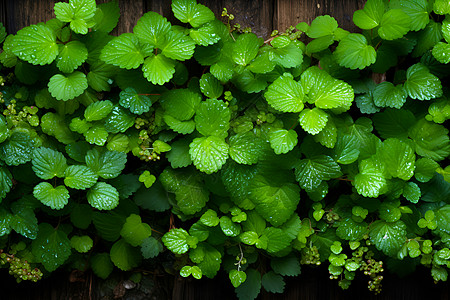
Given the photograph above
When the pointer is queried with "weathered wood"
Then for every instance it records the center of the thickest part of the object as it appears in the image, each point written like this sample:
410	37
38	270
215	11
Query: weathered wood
291	12
21	13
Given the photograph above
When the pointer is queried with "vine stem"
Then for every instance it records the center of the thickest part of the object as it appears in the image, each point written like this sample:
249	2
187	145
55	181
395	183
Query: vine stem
240	258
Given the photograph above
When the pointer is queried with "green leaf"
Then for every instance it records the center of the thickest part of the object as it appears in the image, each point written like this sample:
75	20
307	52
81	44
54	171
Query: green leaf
354	52
277	239
103	196
411	192
322	26
346	150
282	141
210	218
180	103
107	16
249	237
107	164
119	120
313	120
124	256
5	182
325	91
251	287
188	11
4	130
108	225
67	87
228	227
245	148
208	260
245	49
427	38
5	222
388	237
124	51
81	216
273	282
134	231
18	149
151	247
100	76
176	240
441	52
190	194
369	17
101	265
312	171
350	230
370	180
36	44
81	243
98	110
388	95
56	197
285	94
417	10
77	12
147	178
399	158
51	247
425	169
79	126
394	123
179	155
152	28
48	163
431	140
71	56
290	56
97	135
205	35
274	202
183	127
223	70
237	277
138	104
286	266
394	24
210	86
213	118
421	84
209	154
320	44
441	7
158	69
178	46
249	82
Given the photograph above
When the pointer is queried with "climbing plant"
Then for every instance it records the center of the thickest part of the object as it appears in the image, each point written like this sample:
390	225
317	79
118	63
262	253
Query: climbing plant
235	153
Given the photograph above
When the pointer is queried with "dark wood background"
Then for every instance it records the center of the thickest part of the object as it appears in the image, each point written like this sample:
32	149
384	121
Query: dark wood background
262	16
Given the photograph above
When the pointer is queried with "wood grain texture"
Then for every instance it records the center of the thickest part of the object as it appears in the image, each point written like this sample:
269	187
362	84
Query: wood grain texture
291	12
21	13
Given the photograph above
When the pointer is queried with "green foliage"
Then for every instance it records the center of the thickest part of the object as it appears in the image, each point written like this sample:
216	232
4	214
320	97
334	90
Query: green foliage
231	152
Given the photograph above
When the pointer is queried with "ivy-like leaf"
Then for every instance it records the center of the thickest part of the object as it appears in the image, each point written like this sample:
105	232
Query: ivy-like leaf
119	120
388	237
18	149
67	87
274	202
107	16
322	26
108	164
237	277
369	17
417	10
325	91
48	163
152	28
354	52
388	95
51	247
79	177
5	182
431	140
151	247
124	256
399	158
134	231
441	52
180	103
394	24
251	287
282	141
56	197
188	11
124	51
370	179
36	44
176	240
210	86
98	110
311	172
103	196
245	148
209	154
81	243
421	84
78	13
213	118
245	49
158	69
285	94
273	282
178	46
138	104
313	120
71	56
101	265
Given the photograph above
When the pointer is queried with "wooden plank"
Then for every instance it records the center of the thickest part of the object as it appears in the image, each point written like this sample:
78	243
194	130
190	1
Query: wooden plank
291	12
130	12
21	13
